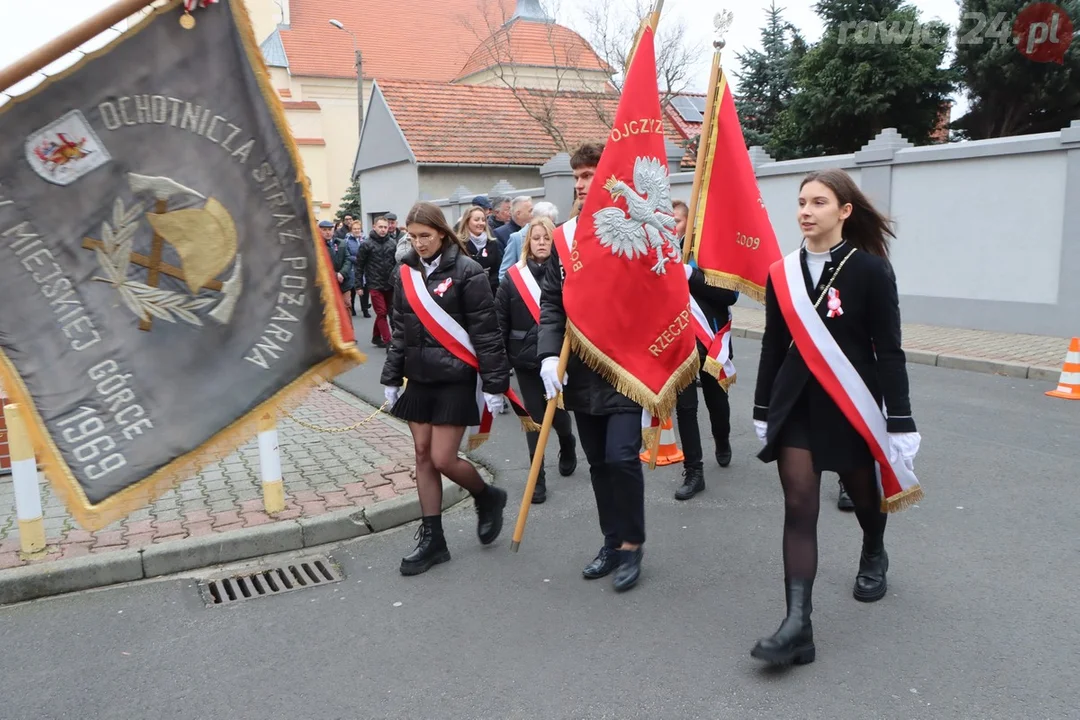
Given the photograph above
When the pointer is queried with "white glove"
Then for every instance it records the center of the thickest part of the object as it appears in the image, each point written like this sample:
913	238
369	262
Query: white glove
495	403
762	429
549	373
391	394
689	271
904	446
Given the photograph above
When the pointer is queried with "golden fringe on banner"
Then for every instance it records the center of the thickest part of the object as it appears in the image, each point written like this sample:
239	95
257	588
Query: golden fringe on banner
658	404
225	441
327	284
736	283
529	425
903	501
714	367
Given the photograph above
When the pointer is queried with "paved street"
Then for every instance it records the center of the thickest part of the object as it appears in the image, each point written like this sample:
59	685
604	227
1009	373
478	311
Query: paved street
979	622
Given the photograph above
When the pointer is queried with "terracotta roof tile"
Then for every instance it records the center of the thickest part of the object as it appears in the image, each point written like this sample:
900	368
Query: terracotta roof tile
534	44
300	104
399	39
488	125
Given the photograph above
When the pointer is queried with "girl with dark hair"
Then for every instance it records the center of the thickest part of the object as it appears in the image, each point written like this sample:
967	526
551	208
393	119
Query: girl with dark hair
446	341
830	357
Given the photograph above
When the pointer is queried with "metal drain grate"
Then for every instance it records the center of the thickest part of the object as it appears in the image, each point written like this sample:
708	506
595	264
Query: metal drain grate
271	581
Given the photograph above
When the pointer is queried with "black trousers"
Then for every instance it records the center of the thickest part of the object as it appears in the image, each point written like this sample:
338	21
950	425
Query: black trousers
686	415
611	444
365	299
532	394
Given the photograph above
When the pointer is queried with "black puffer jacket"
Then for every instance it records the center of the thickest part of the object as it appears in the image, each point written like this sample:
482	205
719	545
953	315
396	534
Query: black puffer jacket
490	258
375	261
415	354
519	329
585	391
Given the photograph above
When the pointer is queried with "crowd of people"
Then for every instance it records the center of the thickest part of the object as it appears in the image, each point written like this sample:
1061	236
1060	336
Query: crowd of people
461	310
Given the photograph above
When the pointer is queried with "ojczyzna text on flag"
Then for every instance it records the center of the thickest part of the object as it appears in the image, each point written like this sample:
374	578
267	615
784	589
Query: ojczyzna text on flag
161	281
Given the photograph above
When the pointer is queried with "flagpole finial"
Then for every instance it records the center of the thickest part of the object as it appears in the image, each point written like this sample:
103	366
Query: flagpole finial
722	23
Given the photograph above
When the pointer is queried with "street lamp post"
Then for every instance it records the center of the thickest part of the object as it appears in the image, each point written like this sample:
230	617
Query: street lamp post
359	89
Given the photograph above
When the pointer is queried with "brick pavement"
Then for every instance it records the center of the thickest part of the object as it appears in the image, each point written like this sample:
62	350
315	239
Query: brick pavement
322	472
1034	350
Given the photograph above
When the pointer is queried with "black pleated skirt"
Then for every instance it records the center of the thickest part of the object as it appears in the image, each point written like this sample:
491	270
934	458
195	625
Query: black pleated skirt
444	404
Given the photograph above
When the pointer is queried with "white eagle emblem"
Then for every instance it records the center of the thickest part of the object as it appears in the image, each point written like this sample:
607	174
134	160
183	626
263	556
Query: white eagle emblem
651	221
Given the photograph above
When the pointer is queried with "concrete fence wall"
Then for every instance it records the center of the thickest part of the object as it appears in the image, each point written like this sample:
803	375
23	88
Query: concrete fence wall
988	232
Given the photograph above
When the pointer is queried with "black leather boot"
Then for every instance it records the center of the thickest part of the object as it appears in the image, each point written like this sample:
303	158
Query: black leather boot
629	570
567	456
870	584
793	642
489	512
430	550
540	491
723	452
693	482
843	500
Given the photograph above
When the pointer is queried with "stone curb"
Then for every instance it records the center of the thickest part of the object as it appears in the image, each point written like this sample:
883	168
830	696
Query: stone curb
955	362
31	582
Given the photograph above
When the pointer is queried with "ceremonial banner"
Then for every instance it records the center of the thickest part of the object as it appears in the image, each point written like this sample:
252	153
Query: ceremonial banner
162	285
734	242
626	297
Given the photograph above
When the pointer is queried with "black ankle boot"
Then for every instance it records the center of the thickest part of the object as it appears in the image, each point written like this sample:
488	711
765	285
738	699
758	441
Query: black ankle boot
629	570
489	510
430	550
870	584
693	482
540	491
793	642
567	456
723	452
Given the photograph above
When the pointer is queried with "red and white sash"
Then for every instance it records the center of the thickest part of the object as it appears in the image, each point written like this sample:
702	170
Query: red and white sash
717	346
823	356
527	288
564	239
452	336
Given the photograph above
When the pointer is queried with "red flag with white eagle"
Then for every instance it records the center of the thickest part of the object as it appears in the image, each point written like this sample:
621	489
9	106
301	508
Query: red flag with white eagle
626	297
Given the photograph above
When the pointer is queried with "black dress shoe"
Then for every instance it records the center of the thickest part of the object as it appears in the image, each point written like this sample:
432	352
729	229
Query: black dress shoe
367	314
629	570
843	502
870	583
430	550
603	564
723	452
567	456
793	642
489	512
693	482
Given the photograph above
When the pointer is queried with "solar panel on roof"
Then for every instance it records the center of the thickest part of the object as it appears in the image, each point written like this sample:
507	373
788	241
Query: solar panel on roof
687	109
699	103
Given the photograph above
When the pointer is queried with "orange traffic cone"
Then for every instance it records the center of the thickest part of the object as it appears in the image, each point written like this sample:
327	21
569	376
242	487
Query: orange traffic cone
668	453
1069	384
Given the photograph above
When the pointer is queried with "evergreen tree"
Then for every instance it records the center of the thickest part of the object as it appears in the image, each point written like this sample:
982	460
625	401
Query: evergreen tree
767	81
1009	93
350	202
876	66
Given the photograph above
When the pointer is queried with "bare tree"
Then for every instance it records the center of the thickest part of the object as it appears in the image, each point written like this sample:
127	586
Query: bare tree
488	25
612	29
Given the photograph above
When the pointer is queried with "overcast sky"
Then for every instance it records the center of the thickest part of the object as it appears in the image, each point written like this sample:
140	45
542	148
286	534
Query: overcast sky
25	25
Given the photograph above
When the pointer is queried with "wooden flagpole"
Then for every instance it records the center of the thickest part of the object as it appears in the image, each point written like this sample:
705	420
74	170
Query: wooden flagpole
705	146
60	46
564	358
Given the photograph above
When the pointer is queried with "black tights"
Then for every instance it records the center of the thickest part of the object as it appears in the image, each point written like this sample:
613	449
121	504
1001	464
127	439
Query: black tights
802	497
